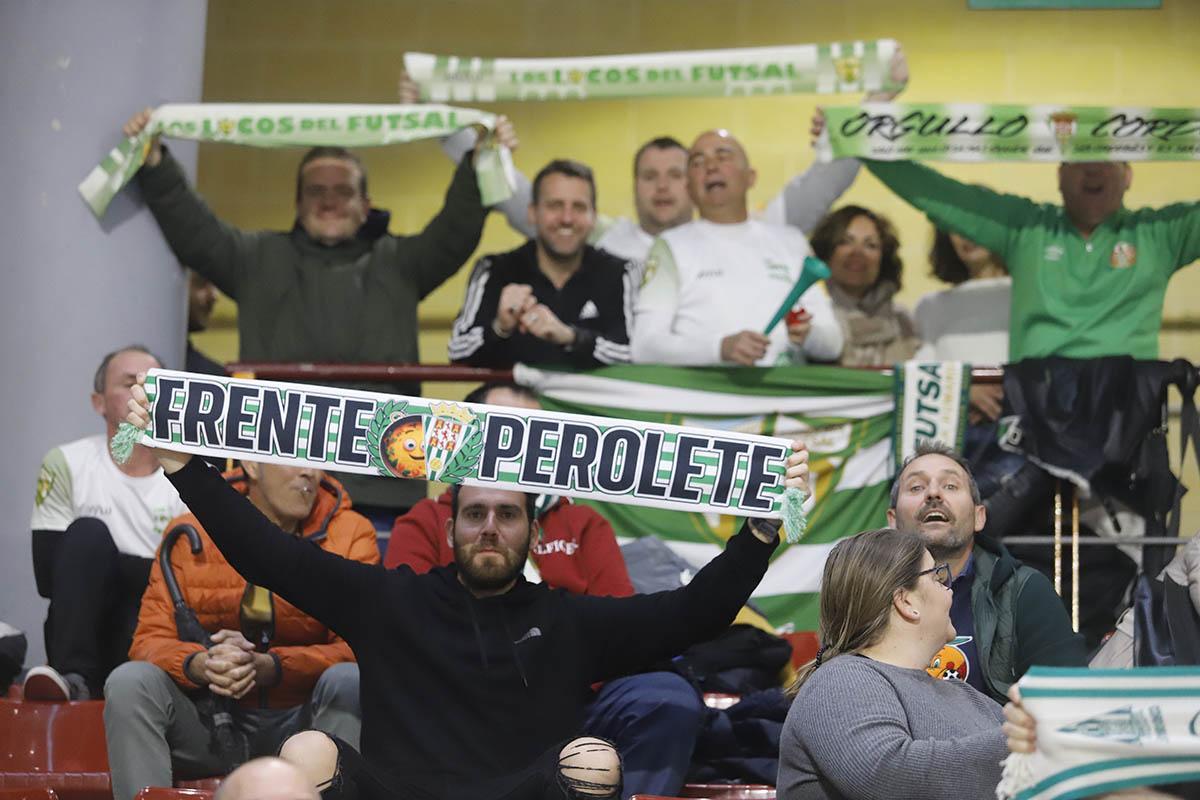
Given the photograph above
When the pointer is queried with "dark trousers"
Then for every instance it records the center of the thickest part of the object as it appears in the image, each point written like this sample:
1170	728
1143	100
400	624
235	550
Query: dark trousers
358	780
95	593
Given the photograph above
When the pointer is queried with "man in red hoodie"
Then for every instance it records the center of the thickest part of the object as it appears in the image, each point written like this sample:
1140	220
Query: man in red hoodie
653	718
302	675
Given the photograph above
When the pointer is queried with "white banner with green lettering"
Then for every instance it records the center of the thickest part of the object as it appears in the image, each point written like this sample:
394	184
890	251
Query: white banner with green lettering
983	132
931	405
346	430
856	66
843	415
299	125
1105	730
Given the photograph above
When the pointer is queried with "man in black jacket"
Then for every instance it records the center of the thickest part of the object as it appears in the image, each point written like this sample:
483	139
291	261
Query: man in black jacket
337	287
555	299
472	677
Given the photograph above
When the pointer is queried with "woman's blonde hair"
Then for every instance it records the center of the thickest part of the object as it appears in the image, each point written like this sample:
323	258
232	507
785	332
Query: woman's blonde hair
862	574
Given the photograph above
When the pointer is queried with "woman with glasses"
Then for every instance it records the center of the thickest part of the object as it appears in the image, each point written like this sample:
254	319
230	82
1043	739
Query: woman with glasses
868	720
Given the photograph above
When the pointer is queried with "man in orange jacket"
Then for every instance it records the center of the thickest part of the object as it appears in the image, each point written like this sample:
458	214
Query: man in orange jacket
304	677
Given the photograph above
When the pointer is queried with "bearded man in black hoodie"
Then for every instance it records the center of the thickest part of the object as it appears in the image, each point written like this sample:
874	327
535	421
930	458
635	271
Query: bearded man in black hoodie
472	678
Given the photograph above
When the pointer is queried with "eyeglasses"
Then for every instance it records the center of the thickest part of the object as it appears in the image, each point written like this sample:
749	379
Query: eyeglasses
342	192
941	574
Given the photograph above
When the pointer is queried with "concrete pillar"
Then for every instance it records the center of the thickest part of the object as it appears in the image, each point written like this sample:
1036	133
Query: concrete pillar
71	72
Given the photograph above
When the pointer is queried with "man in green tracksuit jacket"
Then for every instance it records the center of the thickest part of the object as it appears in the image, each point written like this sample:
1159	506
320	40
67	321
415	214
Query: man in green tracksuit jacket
1089	276
337	287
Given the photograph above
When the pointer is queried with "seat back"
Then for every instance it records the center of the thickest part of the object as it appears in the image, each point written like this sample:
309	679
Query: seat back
31	793
52	737
804	646
728	791
162	793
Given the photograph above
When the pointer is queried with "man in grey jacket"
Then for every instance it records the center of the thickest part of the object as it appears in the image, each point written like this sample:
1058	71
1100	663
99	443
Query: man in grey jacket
337	287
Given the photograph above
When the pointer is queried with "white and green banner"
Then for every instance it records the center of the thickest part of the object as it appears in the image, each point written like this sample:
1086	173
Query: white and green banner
843	415
1105	730
345	430
808	68
931	405
982	132
297	125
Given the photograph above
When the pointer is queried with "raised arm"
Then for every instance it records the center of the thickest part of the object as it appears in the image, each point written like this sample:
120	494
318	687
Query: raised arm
459	144
451	236
215	249
806	199
1181	222
983	215
629	633
516	208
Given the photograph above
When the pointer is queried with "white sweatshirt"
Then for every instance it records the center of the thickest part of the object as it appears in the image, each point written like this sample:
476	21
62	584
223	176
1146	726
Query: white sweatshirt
705	281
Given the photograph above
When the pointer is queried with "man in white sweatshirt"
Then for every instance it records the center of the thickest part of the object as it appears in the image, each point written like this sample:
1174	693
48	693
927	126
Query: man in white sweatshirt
712	285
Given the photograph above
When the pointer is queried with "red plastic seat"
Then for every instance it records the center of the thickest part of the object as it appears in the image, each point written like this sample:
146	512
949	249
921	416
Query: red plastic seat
203	784
28	794
61	747
726	791
163	793
804	646
57	746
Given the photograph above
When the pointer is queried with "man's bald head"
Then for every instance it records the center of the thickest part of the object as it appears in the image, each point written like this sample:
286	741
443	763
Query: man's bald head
266	779
719	176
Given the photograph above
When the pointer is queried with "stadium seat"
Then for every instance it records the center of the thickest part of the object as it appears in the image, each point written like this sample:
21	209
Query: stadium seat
58	746
28	794
804	646
162	793
727	791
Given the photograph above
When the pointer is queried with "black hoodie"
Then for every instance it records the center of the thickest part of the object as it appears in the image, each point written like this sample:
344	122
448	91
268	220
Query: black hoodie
456	689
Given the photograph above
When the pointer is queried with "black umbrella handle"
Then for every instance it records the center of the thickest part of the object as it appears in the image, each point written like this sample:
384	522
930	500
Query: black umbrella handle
164	557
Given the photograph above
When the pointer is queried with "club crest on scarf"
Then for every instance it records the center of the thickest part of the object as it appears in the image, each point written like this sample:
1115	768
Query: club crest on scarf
442	445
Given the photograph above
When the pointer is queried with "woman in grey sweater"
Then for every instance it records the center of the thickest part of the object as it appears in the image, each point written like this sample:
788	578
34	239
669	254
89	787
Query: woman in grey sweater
868	721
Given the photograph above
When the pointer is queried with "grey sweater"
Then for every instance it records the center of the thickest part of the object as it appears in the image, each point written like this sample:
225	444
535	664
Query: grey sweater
863	729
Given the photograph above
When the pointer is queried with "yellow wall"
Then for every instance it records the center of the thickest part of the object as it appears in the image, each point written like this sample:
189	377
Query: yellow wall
314	51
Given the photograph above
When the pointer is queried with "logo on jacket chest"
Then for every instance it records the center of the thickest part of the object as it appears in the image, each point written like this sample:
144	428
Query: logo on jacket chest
1123	256
778	272
564	546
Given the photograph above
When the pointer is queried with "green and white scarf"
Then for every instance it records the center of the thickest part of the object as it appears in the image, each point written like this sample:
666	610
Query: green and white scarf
1106	729
299	125
619	461
981	132
931	405
810	68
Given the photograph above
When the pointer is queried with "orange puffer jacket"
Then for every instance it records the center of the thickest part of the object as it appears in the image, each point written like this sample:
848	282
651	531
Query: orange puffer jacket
303	646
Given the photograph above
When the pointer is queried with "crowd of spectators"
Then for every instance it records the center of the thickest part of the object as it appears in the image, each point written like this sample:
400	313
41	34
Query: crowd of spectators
476	650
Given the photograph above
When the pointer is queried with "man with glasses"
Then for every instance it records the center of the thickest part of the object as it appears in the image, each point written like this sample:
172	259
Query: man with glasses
1006	614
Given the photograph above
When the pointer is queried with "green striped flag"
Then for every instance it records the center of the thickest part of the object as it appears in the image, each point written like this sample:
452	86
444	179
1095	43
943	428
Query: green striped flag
843	415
